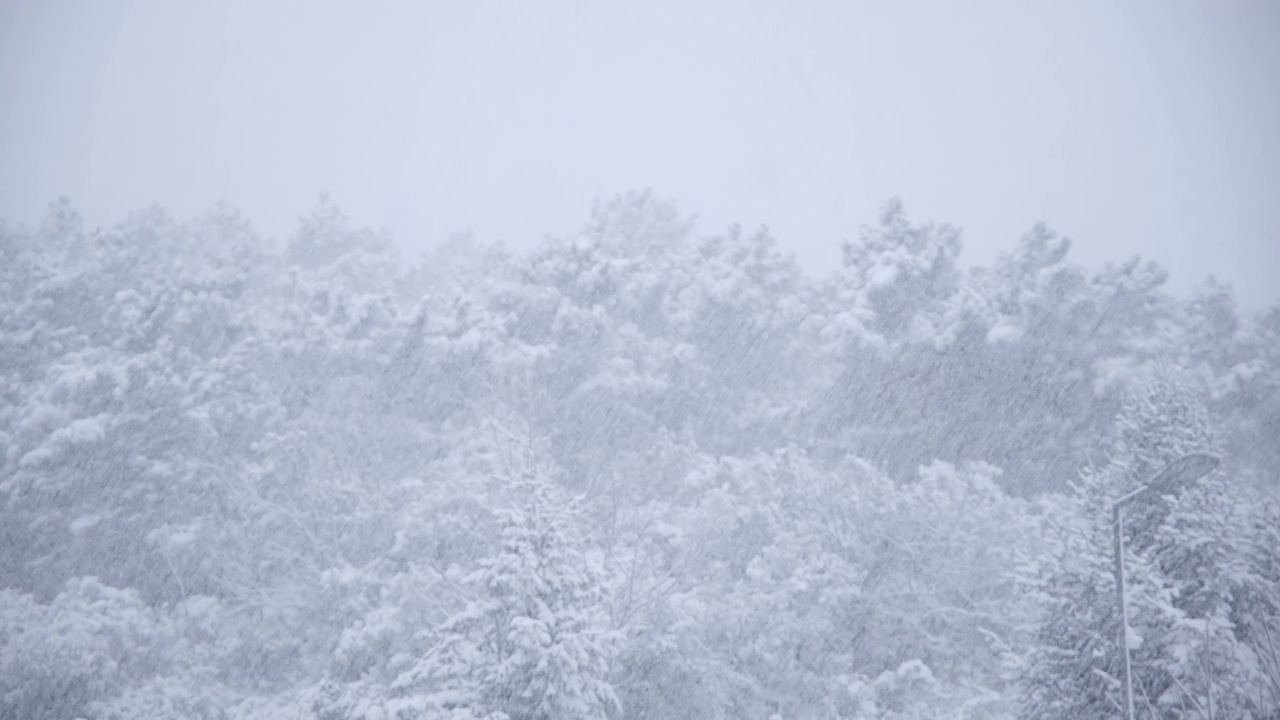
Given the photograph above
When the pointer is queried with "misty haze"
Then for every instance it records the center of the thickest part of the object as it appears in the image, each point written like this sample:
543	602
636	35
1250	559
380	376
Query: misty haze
645	360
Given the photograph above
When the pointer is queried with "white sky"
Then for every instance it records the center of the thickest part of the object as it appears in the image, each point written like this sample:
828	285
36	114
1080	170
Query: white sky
1145	127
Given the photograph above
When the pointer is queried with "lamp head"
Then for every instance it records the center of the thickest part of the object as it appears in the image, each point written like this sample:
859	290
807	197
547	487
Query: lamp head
1182	472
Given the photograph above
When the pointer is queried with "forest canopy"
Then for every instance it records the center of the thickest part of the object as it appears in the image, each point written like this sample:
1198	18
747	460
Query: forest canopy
637	472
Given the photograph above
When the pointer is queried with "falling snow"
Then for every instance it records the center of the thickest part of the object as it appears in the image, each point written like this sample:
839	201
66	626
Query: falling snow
642	471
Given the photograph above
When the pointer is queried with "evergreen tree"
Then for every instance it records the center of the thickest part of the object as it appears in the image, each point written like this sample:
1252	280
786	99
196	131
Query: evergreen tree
533	645
1073	668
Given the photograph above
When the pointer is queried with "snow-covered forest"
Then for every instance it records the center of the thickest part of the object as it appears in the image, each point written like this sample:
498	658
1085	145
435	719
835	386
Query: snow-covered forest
644	471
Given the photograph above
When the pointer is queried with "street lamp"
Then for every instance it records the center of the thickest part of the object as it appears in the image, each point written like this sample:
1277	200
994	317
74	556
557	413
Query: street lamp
1179	473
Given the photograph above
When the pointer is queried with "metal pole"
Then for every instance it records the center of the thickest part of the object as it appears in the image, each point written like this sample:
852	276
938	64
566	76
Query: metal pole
1180	472
1124	614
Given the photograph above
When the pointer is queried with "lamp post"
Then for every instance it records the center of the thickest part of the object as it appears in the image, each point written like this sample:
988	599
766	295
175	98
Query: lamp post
1181	472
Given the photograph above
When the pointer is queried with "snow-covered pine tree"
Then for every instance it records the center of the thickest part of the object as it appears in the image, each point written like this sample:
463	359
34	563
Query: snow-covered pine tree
534	644
1212	556
1073	668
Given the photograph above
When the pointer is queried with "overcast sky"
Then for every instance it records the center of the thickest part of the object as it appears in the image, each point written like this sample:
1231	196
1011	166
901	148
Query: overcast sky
1141	127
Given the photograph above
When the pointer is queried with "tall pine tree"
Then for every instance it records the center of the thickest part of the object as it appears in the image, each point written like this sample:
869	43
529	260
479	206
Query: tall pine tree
1073	669
534	643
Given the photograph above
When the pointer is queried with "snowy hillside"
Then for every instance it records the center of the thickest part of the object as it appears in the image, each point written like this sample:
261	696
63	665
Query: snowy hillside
639	472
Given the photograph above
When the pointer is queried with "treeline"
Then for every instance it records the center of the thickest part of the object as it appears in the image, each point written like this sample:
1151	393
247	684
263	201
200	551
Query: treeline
634	473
